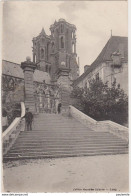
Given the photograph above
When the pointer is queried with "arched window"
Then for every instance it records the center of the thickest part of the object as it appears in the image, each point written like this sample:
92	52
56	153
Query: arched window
42	53
62	42
43	41
46	68
53	47
62	28
73	47
11	84
34	58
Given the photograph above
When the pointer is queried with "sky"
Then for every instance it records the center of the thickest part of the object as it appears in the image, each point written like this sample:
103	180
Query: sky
23	20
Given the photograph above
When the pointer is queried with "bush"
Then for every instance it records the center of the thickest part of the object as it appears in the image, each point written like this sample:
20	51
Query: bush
12	110
102	102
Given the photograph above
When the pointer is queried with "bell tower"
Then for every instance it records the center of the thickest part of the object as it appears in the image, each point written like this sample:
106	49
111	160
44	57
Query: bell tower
63	41
41	51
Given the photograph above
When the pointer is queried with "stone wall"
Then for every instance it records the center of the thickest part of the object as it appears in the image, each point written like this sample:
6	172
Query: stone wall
104	126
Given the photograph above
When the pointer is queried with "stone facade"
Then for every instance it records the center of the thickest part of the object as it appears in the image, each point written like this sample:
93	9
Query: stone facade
50	52
56	69
54	58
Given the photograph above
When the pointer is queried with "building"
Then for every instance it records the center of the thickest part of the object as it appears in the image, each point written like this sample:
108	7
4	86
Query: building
110	65
53	52
56	68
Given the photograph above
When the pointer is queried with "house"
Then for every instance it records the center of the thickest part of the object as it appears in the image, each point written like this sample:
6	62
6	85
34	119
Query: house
110	65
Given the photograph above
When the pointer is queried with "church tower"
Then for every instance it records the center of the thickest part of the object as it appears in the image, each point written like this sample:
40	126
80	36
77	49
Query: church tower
41	51
57	51
56	55
63	49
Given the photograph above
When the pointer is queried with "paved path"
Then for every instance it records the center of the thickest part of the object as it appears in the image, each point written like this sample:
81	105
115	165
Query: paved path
78	174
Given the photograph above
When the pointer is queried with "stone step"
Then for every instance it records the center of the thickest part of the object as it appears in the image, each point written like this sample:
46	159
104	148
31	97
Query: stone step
35	146
56	136
72	152
64	130
68	132
71	138
67	146
65	134
82	141
43	136
54	149
61	130
58	155
50	151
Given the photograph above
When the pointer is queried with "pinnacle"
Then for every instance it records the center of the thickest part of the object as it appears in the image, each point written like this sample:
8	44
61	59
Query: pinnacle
43	31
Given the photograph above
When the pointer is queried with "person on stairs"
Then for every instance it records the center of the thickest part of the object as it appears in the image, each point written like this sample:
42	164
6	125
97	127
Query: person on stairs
28	120
59	108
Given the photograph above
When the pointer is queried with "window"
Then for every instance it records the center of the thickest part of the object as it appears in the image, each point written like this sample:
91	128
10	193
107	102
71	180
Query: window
62	28
73	47
34	58
43	41
46	68
97	76
53	47
42	53
62	42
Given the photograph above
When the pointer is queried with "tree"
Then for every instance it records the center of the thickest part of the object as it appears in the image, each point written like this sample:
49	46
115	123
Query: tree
102	102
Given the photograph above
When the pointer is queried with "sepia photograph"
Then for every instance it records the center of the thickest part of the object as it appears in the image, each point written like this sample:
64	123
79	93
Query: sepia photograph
64	97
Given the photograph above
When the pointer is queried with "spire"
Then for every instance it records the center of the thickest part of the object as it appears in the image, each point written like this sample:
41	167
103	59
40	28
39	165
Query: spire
43	32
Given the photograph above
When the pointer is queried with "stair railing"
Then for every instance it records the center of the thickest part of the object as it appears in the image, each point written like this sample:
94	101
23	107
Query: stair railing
105	126
11	133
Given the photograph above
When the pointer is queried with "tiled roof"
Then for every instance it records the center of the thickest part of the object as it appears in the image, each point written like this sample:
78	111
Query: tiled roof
115	43
14	69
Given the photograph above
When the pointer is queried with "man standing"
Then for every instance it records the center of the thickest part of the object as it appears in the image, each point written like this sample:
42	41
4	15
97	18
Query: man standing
28	119
59	108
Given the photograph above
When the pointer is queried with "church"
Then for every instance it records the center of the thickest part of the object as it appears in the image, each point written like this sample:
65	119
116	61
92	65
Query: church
56	70
44	86
56	67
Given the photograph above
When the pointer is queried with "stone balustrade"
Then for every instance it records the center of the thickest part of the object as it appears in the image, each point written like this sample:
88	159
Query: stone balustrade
104	126
83	118
11	133
114	128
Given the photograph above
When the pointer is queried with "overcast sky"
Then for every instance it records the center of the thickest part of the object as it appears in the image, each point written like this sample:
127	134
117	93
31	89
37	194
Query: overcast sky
24	20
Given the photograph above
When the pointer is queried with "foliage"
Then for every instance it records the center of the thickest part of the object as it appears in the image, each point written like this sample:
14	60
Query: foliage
12	110
102	102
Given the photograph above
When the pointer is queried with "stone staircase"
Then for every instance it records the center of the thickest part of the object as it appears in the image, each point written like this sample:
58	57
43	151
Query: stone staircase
58	136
